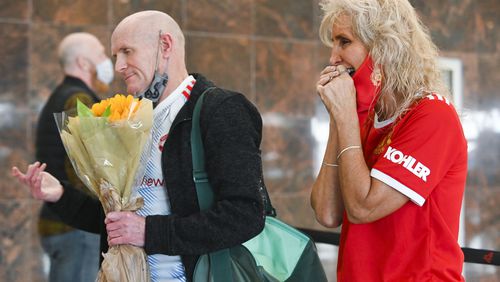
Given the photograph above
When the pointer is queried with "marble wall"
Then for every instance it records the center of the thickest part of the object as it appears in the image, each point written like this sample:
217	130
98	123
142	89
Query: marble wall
268	50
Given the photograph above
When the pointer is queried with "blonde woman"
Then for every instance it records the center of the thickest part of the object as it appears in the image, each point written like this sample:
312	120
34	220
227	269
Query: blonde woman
396	161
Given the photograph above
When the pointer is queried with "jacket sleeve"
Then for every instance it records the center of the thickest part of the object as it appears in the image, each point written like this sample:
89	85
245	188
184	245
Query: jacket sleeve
78	209
231	131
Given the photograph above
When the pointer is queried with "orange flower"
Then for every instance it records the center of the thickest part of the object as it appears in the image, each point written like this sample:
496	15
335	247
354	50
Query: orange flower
116	108
99	108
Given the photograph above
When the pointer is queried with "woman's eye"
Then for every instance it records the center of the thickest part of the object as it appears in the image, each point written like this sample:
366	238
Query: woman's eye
344	42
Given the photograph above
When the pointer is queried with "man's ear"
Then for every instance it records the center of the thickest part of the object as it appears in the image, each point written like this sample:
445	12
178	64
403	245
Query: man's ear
83	63
167	43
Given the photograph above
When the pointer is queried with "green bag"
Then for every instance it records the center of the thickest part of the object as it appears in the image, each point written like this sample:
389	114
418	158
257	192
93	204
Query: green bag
279	253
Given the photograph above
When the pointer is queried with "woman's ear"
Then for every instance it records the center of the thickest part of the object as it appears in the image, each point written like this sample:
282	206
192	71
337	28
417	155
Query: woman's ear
376	76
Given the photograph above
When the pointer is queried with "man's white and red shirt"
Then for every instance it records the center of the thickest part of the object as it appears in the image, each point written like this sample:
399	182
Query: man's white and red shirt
423	155
153	190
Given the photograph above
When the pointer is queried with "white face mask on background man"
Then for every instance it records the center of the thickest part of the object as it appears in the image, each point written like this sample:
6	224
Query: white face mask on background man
104	71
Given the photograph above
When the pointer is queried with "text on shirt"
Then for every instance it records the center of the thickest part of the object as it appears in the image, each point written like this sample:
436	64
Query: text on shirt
408	162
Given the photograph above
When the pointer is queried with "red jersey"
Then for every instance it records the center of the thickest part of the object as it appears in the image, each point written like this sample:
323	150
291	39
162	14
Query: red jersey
424	156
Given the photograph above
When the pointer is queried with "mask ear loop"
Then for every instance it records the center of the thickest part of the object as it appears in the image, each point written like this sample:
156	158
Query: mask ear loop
158	50
164	75
158	82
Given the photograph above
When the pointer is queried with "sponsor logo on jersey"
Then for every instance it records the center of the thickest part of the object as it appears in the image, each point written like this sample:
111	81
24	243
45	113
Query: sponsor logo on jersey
408	162
161	143
383	144
152	182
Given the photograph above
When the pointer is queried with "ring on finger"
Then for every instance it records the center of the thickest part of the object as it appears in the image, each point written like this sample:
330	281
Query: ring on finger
333	75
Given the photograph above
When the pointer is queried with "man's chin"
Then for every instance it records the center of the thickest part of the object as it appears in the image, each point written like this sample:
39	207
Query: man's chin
132	90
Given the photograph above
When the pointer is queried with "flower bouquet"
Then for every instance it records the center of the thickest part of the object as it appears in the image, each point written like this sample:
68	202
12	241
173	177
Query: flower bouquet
105	145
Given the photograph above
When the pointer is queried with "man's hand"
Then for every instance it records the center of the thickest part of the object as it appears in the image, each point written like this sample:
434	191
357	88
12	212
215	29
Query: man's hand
42	184
125	228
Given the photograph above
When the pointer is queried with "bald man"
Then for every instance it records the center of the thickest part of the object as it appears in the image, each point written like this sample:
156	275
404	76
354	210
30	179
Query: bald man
73	253
149	51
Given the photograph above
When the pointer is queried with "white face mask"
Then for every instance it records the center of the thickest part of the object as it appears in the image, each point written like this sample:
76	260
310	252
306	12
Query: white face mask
105	71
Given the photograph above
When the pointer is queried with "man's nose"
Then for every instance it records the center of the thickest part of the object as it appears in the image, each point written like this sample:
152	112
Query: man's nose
120	64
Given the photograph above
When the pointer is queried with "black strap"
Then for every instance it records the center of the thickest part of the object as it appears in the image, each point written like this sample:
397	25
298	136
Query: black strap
479	256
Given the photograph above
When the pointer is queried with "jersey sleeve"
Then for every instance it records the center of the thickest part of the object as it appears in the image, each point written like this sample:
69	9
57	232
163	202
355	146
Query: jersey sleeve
423	147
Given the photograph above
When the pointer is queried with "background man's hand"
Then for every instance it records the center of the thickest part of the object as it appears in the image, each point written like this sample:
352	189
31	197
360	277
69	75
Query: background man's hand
42	184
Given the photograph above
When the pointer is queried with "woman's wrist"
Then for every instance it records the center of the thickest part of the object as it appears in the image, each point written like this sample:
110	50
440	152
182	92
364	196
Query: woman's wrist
346	121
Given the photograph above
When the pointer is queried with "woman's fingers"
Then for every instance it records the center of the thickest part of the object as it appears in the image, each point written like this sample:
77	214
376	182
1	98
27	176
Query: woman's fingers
329	76
341	70
328	69
331	72
324	79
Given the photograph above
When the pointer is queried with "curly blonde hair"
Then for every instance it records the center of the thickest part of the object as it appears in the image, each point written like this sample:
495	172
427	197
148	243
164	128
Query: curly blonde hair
397	42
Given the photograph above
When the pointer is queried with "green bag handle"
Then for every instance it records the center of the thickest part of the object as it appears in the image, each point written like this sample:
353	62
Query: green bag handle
200	176
203	188
219	260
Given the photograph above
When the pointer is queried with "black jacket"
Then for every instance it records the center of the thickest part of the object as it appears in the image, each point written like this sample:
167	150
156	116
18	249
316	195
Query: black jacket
231	130
48	146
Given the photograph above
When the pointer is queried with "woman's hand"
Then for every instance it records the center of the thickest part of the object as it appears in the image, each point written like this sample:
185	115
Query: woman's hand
336	89
42	184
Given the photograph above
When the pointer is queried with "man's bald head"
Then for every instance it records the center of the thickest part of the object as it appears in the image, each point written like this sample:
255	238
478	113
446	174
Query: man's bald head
148	43
146	25
78	44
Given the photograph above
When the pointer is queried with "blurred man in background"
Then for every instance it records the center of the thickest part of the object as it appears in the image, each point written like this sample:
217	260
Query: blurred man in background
74	254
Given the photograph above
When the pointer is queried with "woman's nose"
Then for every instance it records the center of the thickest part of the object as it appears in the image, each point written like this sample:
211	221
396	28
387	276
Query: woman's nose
335	58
